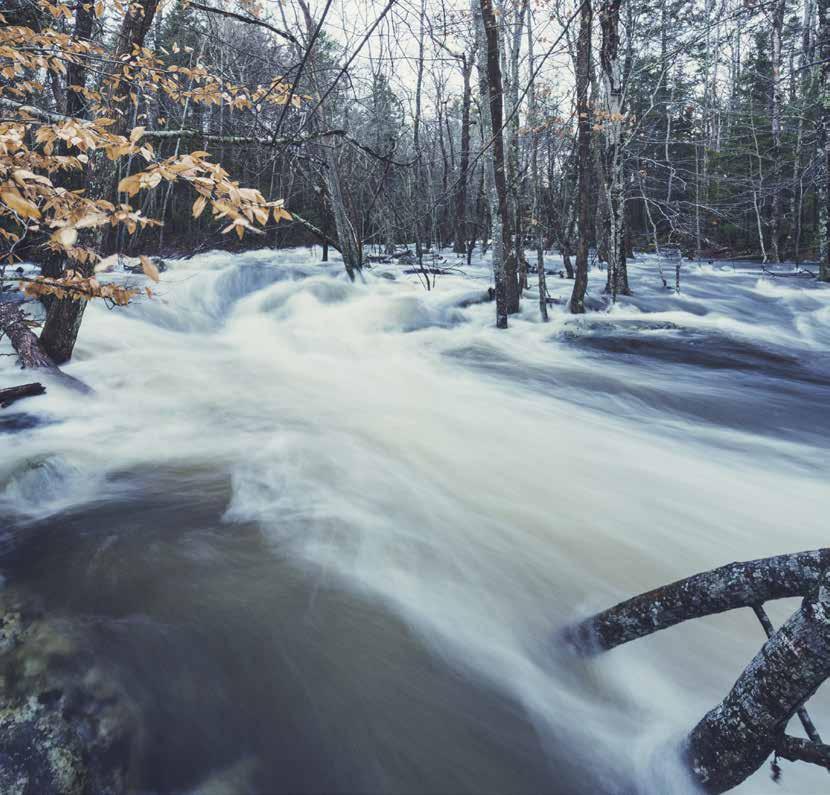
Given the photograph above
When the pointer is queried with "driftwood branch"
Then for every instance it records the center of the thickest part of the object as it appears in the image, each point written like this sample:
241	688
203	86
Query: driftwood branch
13	393
735	585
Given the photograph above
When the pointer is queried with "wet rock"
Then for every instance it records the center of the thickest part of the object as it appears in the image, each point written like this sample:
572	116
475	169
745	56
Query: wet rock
66	727
21	421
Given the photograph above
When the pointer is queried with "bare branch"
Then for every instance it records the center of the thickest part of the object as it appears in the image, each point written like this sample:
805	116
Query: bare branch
247	20
726	588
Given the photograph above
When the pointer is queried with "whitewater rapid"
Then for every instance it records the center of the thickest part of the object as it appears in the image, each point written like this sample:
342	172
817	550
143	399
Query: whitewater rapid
483	488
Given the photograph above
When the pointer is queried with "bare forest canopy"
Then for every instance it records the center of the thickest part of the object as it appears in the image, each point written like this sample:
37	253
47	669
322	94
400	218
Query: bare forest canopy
610	125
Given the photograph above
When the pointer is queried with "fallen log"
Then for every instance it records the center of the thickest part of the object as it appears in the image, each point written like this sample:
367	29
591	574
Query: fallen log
804	716
732	740
30	352
13	393
24	341
735	585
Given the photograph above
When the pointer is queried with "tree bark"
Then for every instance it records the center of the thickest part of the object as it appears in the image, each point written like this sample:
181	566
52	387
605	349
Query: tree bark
735	585
348	244
795	749
64	316
462	233
507	292
583	159
732	740
824	139
612	77
29	351
536	226
775	101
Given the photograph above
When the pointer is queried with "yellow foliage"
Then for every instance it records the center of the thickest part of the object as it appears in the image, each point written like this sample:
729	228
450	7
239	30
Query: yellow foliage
38	147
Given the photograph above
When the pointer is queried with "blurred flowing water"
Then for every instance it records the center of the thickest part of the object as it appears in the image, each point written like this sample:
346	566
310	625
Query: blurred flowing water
327	533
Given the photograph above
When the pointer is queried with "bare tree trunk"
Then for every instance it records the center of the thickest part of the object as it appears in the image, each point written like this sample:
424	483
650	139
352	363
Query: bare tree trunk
462	232
824	139
583	157
512	144
64	316
775	123
504	273
805	59
536	226
349	245
612	77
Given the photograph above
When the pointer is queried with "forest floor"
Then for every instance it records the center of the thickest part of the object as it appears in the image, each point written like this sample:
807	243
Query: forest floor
313	536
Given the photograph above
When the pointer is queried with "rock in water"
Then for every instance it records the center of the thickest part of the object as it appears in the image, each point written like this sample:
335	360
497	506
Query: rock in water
65	726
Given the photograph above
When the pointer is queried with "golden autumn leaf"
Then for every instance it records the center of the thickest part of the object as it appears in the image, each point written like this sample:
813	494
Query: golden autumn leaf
24	208
136	133
149	268
199	206
66	236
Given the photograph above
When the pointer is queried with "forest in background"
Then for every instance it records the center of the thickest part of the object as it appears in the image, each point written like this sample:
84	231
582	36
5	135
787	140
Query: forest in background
624	125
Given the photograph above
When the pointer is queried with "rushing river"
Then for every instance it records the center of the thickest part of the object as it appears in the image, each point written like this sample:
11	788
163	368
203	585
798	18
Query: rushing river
327	533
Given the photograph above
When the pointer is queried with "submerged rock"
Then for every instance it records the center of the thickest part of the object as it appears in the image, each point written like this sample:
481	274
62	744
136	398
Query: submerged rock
65	726
20	421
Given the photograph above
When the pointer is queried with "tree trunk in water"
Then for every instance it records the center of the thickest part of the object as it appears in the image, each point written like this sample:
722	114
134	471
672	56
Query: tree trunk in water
776	233
347	241
512	147
60	331
612	77
534	176
64	315
583	158
462	232
824	140
506	272
502	209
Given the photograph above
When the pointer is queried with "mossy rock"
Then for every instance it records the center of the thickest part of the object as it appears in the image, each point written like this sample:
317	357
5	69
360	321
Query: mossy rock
66	727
